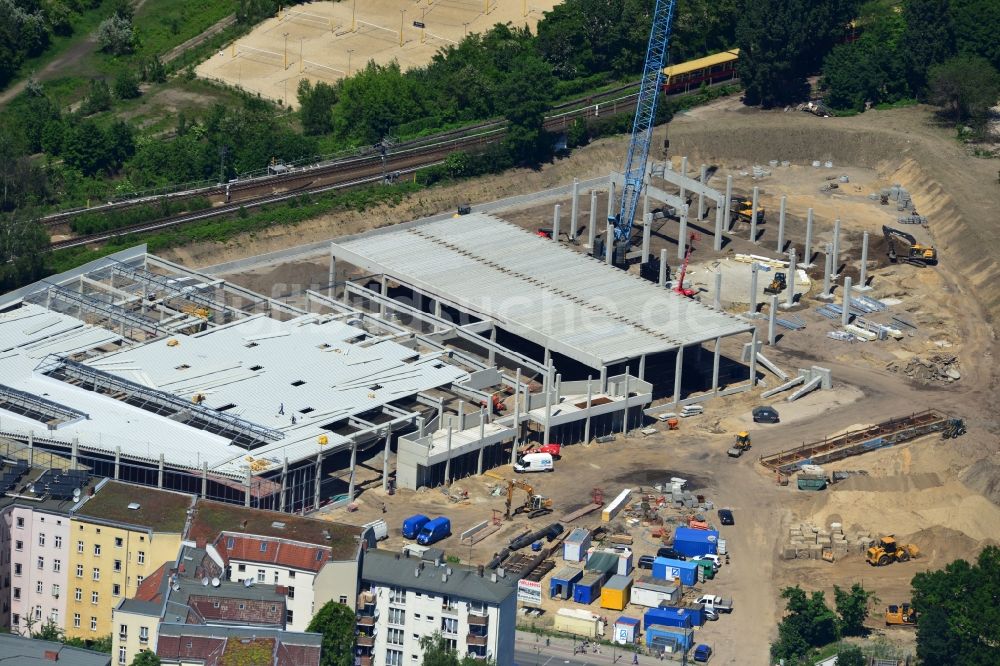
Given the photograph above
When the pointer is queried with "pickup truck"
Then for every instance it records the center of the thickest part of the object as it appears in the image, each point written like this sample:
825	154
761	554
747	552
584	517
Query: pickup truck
713	602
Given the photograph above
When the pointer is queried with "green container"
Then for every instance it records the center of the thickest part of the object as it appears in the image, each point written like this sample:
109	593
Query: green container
811	482
707	569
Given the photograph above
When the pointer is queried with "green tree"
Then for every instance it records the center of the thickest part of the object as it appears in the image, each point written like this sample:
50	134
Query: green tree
974	23
116	35
336	623
526	101
316	106
126	85
98	98
966	87
929	38
48	632
808	623
22	247
102	644
146	658
852	607
437	652
771	37
851	656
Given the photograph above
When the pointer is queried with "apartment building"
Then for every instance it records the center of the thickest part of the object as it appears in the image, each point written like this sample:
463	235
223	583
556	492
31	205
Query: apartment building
404	597
314	561
118	536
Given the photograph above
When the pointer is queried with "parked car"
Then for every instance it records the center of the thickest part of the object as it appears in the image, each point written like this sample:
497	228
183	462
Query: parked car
711	615
765	414
670	553
646	562
534	462
434	531
413	525
726	517
702	652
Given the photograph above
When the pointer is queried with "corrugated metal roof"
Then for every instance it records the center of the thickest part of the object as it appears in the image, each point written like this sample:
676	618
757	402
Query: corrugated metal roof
699	63
538	289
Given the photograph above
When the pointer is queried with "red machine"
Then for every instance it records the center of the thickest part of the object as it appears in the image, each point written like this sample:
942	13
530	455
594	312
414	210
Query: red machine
498	405
680	288
555	450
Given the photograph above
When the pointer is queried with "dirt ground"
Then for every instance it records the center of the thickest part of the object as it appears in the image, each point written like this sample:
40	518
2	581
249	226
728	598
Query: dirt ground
326	41
943	496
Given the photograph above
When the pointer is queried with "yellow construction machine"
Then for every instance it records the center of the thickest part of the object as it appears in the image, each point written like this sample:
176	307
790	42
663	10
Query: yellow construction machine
908	250
534	505
886	551
742	445
901	615
742	208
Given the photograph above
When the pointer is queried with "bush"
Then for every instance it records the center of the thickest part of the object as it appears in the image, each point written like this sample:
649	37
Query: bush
116	35
126	86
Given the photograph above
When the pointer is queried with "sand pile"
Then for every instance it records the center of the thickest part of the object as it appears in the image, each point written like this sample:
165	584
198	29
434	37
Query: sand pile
984	477
942	543
896	483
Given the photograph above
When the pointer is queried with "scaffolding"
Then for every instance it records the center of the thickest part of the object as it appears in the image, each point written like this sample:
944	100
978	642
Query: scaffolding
38	408
189	293
241	432
114	313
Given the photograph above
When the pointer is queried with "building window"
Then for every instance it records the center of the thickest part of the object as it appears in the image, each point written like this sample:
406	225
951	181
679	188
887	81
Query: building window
55	590
79	544
397	595
394	636
41	563
118	565
20	523
79	571
97	550
38	613
291	574
78	594
393	658
230	542
215	604
289	617
141	557
343	600
17	594
397	616
143	634
241	567
76	620
93	623
94	597
116	590
452	644
263	546
97	574
291	592
54	616
123	632
17	568
118	542
449	625
261	575
18	545
41	538
39	586
59	540
243	606
57	565
138	581
16	620
122	654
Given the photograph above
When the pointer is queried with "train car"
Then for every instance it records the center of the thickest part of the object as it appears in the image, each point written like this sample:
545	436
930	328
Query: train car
689	75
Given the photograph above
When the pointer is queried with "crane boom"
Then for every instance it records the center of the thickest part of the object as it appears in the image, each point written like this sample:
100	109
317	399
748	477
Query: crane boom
645	114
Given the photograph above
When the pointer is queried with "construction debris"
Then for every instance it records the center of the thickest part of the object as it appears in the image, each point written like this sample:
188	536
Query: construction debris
937	368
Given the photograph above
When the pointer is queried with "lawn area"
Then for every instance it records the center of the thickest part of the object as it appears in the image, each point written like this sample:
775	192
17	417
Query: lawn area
163	24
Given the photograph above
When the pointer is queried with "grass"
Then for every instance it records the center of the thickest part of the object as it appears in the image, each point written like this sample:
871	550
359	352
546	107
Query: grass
163	24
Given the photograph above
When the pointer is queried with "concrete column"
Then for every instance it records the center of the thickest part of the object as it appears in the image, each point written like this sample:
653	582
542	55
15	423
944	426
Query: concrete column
827	270
420	426
247	487
548	408
808	247
781	224
716	353
492	354
447	461
574	210
385	458
863	278
384	290
461	415
604	379
753	289
753	359
642	367
625	409
159	473
753	214
517	415
702	176
717	296
717	238
684	172
592	225
845	316
792	267
682	235
729	202
482	436
836	247
611	198
556	214
663	267
73	452
647	229
678	372
204	482
333	272
586	423
354	461
547	362
772	315
118	458
609	245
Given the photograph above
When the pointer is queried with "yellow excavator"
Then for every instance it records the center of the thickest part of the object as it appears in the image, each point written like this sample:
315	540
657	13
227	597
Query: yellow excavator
908	250
886	551
742	208
902	615
534	505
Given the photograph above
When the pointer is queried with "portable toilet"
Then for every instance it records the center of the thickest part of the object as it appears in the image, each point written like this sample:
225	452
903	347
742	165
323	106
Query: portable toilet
563	581
669	569
616	592
626	630
588	588
576	545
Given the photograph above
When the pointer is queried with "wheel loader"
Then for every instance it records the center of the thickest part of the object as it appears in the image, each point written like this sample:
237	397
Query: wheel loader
886	551
778	284
901	615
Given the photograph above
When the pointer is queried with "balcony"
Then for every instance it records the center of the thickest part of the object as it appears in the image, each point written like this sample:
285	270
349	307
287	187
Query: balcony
366	621
475	641
365	641
477	620
366	599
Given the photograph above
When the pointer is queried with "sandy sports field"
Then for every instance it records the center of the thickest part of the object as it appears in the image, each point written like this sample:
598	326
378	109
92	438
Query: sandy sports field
325	41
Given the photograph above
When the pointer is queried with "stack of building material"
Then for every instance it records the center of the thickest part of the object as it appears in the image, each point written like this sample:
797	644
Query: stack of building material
807	542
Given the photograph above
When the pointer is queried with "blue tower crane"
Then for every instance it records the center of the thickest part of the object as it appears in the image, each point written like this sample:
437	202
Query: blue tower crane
645	114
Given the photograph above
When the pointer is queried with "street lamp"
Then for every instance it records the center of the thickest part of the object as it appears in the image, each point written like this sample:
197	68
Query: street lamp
349	52
285	58
466	31
402	13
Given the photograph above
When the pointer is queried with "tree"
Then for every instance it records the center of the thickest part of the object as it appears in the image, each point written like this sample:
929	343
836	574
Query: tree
525	99
126	85
965	86
336	623
102	644
146	658
116	35
771	37
808	623
929	38
437	652
316	106
852	607
22	247
49	631
851	656
974	23
98	98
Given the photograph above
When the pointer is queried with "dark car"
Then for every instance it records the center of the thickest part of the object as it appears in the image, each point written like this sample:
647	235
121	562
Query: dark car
646	562
726	517
670	554
702	652
766	414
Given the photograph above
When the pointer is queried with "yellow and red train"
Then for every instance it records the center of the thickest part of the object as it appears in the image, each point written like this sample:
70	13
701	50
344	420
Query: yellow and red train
688	76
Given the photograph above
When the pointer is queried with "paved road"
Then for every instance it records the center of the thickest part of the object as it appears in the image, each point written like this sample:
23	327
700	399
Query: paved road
531	650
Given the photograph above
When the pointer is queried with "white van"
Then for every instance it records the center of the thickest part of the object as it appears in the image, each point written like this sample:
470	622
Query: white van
379	529
534	462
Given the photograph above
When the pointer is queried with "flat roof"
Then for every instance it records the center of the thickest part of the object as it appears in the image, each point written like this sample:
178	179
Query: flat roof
31	651
157	510
536	288
388	568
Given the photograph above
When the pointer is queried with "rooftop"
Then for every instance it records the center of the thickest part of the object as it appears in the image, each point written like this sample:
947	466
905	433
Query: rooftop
213	518
31	652
389	568
537	289
245	646
156	510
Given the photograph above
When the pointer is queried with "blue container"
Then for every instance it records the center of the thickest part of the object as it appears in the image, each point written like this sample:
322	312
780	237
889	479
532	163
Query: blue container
537	546
669	569
413	525
685	618
434	531
695	543
563	582
588	589
678	639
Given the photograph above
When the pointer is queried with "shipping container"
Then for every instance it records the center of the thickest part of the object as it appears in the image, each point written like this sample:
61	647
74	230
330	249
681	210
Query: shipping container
670	616
652	592
563	581
578	622
588	588
669	569
616	592
612	510
626	630
671	640
576	545
693	543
